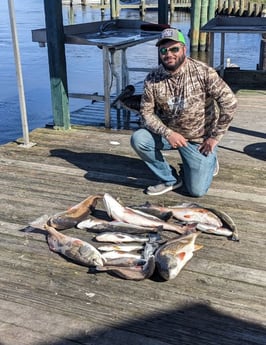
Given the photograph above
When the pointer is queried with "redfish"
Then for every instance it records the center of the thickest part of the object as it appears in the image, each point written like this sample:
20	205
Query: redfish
186	213
171	257
75	214
73	248
128	215
209	220
136	272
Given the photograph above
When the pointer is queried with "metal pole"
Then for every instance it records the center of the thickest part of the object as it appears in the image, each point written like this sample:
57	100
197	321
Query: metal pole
22	102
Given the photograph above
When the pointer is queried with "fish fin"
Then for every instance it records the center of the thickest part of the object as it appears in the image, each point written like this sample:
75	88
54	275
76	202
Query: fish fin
40	222
197	247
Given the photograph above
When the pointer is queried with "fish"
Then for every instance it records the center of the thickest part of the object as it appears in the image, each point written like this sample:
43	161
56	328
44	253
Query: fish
227	222
136	272
125	262
121	247
171	257
189	213
103	225
73	248
211	229
149	248
119	237
116	254
75	214
128	215
92	224
161	213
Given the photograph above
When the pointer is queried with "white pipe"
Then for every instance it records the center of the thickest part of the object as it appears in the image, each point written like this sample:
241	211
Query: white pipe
19	75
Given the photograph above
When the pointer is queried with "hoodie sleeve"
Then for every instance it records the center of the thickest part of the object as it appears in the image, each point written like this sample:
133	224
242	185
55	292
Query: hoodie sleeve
226	102
147	111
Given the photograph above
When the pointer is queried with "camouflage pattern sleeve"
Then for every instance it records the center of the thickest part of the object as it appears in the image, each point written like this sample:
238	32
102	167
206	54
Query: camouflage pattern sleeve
226	102
147	111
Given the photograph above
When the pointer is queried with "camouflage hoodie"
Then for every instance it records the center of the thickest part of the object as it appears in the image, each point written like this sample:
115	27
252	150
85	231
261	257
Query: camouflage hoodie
194	102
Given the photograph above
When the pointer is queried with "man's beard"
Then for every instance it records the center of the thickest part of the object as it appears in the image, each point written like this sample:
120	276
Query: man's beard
173	68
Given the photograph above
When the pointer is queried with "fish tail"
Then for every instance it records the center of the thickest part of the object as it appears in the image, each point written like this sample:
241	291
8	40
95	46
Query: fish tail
235	237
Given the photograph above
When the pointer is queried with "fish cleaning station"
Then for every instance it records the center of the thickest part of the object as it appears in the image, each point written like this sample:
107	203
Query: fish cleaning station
75	199
111	36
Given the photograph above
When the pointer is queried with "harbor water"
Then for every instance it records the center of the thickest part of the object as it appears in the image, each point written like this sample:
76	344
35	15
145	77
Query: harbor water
84	63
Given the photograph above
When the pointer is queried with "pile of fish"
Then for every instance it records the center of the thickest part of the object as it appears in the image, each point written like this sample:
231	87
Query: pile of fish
131	242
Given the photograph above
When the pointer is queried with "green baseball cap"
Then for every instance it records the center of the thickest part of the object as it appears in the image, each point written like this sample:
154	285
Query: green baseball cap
171	34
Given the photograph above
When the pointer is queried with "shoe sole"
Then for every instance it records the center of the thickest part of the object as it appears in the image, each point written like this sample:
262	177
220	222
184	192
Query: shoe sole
216	171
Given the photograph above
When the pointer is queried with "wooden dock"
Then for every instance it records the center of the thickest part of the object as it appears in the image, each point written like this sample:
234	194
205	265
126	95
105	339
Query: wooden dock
219	297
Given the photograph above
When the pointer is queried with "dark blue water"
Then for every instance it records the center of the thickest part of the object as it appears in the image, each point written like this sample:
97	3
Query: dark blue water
84	63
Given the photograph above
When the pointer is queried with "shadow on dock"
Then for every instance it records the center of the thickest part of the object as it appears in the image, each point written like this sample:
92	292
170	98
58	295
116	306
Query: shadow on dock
176	326
119	169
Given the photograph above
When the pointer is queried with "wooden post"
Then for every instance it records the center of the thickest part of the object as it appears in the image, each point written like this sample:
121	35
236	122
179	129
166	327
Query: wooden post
211	9
57	63
203	21
195	25
211	15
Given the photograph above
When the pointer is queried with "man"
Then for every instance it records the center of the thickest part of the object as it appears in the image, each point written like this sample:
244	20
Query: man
187	107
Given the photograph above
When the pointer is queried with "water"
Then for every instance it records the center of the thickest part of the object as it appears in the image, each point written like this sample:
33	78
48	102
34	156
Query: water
84	63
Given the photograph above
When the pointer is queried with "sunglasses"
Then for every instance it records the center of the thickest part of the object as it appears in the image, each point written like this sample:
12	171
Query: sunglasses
173	50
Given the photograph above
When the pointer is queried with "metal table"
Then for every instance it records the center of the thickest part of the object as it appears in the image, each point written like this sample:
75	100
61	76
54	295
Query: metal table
110	36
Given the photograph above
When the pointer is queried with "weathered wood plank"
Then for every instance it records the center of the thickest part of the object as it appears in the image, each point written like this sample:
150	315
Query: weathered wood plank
218	298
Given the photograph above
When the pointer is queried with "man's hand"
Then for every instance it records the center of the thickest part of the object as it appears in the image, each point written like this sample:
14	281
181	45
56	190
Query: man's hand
176	140
208	146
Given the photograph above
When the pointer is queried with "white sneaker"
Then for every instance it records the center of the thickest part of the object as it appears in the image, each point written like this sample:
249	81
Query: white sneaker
162	188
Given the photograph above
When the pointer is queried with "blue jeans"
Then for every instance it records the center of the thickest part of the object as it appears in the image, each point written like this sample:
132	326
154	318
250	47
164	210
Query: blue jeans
197	168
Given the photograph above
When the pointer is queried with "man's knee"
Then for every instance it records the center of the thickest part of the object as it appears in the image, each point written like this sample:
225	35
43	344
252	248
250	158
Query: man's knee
138	139
196	192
